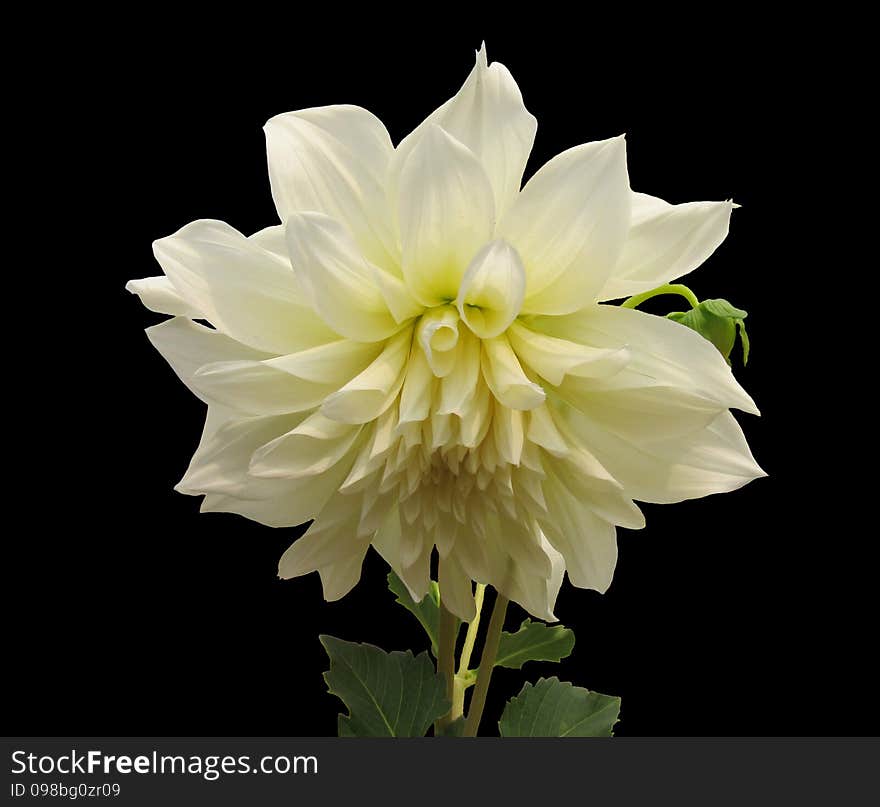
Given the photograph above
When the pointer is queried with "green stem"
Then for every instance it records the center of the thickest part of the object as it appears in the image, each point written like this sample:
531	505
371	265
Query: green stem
470	639
666	288
487	663
471	635
446	660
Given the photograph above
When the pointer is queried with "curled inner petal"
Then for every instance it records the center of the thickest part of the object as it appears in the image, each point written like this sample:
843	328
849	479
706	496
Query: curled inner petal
438	336
492	289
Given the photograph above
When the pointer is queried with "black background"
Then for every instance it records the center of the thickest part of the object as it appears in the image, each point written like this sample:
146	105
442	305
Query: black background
129	613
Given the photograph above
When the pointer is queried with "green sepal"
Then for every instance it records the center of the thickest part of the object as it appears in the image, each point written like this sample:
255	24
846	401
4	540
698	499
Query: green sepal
387	694
554	708
717	321
744	340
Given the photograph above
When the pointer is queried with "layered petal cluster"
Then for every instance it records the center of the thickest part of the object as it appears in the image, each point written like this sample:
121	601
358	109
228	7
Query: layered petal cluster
418	356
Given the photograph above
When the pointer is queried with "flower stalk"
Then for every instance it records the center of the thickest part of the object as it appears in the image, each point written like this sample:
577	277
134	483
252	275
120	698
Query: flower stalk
470	638
446	661
667	288
463	679
487	663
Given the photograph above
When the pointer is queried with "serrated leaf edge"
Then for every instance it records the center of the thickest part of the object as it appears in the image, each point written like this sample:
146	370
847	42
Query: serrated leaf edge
522	627
616	700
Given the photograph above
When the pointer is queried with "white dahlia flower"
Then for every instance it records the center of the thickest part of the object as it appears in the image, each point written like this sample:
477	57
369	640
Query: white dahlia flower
417	356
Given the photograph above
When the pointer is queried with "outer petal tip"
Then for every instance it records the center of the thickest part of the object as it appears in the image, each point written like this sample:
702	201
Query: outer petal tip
569	224
745	403
482	57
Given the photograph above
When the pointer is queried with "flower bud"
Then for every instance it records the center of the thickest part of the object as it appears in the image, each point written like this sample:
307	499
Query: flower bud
717	321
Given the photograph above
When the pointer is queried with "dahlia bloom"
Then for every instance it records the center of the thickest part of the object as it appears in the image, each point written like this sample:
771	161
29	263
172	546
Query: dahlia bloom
417	357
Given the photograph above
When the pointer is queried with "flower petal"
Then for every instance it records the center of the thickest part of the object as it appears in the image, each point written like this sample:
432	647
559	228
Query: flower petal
159	295
569	224
290	506
333	363
337	279
522	565
459	386
220	463
219	370
418	386
491	292
557	573
665	242
331	547
642	414
438	335
273	240
509	434
475	416
315	445
333	160
505	376
715	459
244	290
289	383
402	305
446	213
587	542
255	388
662	352
605	497
488	116
553	359
397	297
219	470
340	577
388	542
187	346
536	593
456	587
542	431
372	391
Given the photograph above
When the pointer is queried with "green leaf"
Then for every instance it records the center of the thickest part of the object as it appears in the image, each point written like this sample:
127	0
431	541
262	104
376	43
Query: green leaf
387	694
452	729
427	611
534	641
343	727
717	321
554	708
